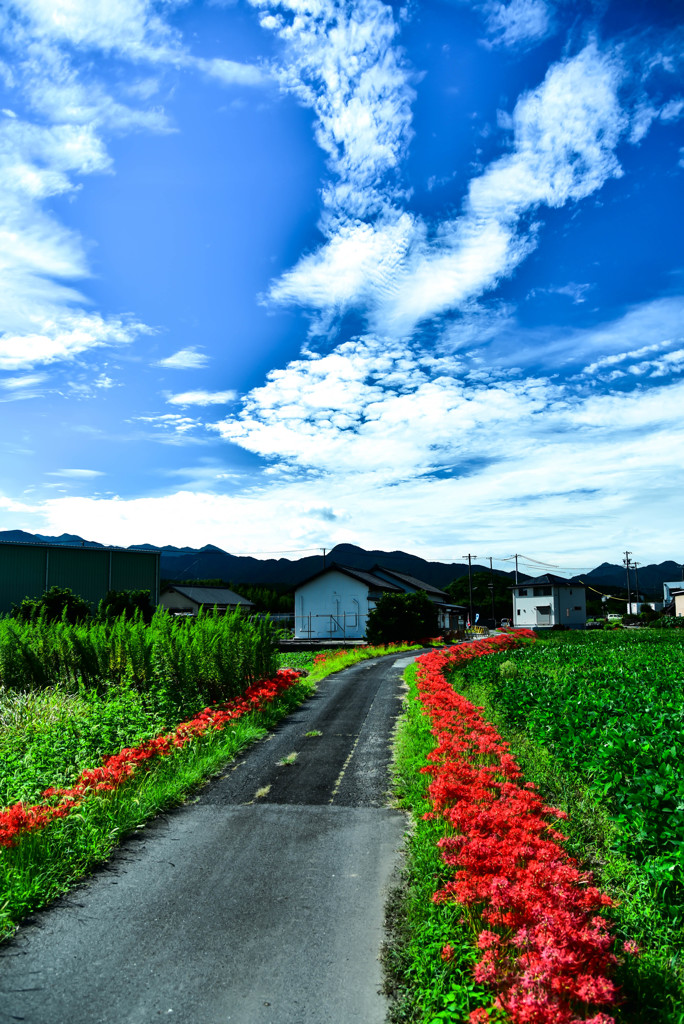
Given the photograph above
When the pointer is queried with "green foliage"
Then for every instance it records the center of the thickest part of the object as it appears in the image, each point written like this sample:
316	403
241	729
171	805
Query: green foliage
652	984
126	602
265	598
48	862
72	694
459	591
56	603
398	617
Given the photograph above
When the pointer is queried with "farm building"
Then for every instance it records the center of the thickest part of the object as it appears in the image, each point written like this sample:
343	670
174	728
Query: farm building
335	603
548	601
191	600
28	570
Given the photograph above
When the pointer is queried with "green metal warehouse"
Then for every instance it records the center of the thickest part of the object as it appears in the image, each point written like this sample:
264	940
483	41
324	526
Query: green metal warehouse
28	570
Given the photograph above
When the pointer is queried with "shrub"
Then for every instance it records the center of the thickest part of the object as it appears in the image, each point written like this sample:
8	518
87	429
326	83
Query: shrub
126	603
56	603
401	617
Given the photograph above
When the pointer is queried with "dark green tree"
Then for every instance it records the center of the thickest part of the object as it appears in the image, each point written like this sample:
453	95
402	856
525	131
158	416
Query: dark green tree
402	617
459	591
55	603
126	602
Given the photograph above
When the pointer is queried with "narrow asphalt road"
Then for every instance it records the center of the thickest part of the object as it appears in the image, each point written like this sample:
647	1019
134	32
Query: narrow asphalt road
259	903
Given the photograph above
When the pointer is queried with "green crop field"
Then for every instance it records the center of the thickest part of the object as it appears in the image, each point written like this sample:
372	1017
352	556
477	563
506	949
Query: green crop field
597	722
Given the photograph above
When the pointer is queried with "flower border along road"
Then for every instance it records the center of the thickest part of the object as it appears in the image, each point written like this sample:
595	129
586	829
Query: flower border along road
20	818
547	951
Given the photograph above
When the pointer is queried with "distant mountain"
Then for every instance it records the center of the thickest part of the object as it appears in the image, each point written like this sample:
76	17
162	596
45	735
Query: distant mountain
651	577
21	537
211	562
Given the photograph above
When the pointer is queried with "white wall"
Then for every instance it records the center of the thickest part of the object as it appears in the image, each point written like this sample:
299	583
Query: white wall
567	607
332	606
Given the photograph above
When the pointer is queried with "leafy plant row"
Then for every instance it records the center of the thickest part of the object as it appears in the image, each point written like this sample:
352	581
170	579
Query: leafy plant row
545	948
212	654
72	694
610	707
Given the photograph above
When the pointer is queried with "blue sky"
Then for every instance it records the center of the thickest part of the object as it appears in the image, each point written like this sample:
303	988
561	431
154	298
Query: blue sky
280	275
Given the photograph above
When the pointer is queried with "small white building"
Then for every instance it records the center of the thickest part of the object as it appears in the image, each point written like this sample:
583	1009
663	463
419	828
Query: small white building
191	600
336	602
668	590
548	601
678	598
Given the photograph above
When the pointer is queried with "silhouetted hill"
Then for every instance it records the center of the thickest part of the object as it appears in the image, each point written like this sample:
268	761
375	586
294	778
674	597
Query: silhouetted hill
651	577
211	562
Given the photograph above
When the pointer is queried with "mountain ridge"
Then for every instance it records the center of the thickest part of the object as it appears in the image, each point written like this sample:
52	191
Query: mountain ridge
212	562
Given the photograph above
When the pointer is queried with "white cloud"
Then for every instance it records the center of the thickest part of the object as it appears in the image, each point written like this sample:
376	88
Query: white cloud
185	359
131	27
64	339
519	21
202	398
542	491
232	72
19	383
401	272
77	474
60	138
344	64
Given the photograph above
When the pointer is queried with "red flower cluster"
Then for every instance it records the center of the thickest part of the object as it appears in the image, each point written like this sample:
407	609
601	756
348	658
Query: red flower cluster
20	818
546	949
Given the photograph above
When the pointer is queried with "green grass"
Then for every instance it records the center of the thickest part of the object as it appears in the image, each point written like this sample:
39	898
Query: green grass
43	864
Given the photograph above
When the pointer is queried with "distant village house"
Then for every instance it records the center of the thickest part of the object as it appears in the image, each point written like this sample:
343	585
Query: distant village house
335	603
182	600
548	601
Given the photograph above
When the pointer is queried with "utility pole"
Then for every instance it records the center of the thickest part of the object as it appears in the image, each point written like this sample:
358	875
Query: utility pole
491	585
636	579
629	591
323	550
470	583
516	570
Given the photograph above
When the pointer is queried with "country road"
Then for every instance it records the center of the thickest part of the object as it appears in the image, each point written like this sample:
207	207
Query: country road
259	903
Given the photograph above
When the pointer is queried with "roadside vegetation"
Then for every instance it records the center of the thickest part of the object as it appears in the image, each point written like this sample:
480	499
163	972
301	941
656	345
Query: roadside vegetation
105	721
596	722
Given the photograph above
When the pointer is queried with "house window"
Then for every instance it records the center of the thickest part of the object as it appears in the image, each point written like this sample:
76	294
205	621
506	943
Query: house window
522	592
578	608
542	591
518	611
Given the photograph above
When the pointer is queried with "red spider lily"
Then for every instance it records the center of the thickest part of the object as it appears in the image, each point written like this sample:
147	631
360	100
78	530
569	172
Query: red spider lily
547	952
20	818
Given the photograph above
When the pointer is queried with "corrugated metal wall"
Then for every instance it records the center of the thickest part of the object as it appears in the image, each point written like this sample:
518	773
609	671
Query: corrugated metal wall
28	570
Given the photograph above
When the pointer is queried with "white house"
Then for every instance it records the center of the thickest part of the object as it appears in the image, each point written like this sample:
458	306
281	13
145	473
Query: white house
549	601
190	600
334	604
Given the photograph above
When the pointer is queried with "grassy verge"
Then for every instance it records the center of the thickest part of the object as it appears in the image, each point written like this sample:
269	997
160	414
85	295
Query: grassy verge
44	864
653	984
422	986
72	731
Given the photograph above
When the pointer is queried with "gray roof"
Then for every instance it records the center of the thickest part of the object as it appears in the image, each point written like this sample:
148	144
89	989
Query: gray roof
373	581
211	595
548	580
412	581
